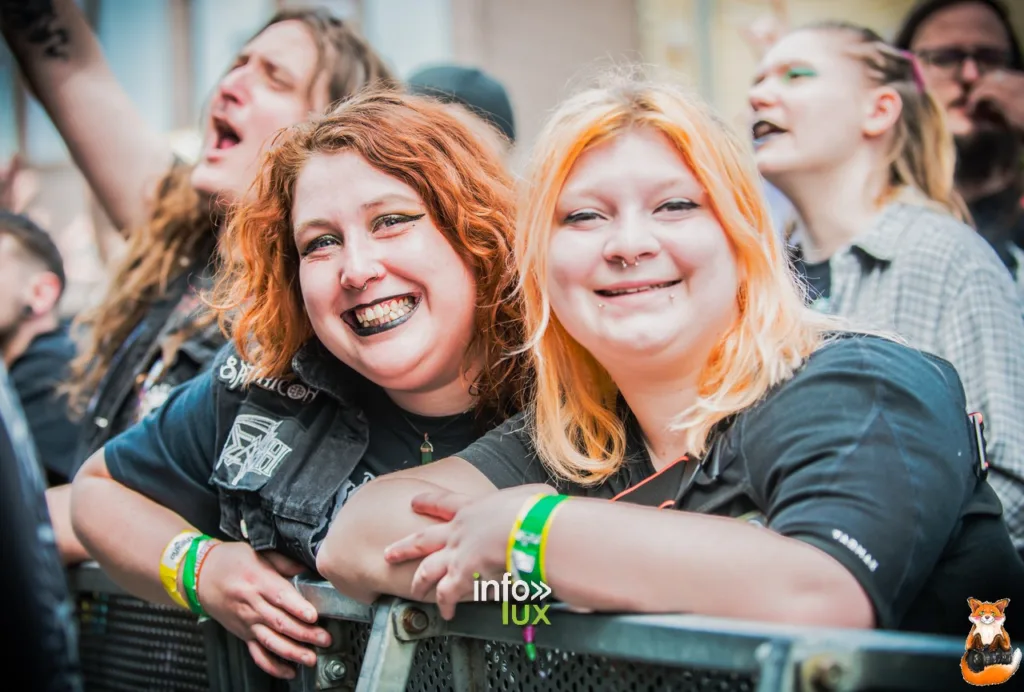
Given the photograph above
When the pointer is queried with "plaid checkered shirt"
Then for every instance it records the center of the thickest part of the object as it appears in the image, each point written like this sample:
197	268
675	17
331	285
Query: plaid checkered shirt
934	281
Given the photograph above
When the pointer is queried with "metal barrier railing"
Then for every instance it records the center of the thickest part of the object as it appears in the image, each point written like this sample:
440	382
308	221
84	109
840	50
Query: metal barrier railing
397	645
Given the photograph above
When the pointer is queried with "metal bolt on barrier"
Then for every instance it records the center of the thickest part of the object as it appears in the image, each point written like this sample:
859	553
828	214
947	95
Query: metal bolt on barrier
415	621
335	670
825	674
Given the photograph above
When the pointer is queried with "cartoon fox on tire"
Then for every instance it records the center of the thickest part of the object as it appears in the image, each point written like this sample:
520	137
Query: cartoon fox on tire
989	659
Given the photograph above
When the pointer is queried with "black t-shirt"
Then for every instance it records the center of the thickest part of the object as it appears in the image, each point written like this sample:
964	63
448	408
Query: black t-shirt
866	453
36	374
170	455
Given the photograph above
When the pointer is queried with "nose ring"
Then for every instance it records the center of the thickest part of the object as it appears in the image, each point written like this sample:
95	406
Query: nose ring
636	261
367	283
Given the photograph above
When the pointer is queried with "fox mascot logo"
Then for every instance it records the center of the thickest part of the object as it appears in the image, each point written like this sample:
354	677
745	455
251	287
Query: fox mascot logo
989	659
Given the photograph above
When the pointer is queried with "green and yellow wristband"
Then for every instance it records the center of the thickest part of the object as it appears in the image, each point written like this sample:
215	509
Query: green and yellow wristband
182	563
527	542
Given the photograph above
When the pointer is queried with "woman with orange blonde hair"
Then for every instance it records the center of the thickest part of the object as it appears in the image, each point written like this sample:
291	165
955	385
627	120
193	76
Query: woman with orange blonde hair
370	292
676	367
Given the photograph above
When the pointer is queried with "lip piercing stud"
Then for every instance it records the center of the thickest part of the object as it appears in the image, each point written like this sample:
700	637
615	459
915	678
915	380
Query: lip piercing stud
671	296
600	306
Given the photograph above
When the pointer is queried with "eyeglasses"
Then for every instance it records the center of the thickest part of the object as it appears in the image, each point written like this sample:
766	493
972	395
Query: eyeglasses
951	60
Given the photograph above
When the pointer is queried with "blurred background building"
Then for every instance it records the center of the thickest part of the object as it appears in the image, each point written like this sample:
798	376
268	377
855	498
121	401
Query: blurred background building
169	53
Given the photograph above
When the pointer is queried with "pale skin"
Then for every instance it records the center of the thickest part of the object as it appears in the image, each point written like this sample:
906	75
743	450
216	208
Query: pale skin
831	160
629	198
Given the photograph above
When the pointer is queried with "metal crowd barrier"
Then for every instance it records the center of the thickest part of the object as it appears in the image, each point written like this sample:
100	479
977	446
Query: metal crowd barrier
397	646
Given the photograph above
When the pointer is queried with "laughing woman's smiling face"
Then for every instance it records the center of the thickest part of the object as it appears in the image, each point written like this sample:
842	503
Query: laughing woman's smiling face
384	290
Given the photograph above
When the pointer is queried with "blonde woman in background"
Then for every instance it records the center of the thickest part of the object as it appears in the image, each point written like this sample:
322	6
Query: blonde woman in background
843	125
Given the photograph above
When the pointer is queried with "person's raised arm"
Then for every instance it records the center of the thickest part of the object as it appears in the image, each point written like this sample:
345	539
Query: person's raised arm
120	155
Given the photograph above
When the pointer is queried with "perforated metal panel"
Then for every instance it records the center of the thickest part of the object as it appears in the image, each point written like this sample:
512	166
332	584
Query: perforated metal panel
508	668
127	644
349	640
431	667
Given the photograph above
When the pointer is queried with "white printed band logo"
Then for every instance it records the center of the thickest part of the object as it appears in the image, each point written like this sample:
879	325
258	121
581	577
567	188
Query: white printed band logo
253	447
516	596
234	373
856	548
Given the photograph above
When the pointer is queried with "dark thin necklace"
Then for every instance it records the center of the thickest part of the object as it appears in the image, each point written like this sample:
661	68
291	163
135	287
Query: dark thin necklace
427	449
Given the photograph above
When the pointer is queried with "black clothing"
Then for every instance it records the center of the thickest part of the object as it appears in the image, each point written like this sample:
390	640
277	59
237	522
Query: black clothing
36	375
150	363
273	462
999	219
817	275
42	639
866	453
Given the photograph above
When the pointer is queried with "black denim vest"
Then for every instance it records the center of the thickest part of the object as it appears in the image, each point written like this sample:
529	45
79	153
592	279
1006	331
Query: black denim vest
285	447
110	411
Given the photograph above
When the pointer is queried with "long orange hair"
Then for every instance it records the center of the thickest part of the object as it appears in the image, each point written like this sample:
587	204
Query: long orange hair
462	183
182	228
576	428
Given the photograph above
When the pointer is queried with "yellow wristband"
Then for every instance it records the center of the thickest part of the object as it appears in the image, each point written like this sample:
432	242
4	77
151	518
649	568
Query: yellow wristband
527	506
171	560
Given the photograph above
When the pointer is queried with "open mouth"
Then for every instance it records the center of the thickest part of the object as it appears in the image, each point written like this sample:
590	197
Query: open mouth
612	293
380	316
225	136
764	130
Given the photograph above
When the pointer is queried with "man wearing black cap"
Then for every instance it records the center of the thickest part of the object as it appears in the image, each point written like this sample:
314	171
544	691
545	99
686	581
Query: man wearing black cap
478	99
972	64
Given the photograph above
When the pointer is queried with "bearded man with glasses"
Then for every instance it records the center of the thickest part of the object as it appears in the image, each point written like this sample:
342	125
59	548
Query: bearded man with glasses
971	61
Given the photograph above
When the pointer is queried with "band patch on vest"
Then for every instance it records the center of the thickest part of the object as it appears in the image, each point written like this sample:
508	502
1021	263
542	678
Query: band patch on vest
234	372
253	447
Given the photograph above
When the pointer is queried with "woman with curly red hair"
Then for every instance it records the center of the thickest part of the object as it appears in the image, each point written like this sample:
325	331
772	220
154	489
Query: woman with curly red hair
373	313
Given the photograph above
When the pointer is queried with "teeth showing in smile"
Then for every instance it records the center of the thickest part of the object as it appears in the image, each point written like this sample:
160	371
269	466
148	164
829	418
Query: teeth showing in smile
382	313
639	289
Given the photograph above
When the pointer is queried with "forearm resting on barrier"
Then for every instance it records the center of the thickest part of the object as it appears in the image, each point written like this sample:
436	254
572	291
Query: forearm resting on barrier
124	531
352	555
623	557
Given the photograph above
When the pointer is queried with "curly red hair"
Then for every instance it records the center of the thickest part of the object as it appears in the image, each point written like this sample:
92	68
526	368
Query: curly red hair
466	190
